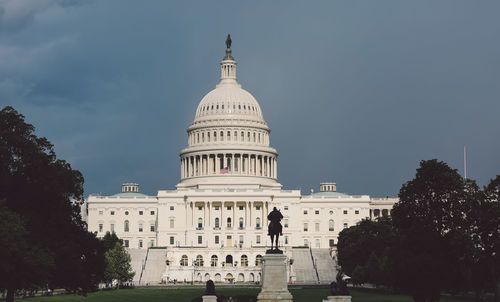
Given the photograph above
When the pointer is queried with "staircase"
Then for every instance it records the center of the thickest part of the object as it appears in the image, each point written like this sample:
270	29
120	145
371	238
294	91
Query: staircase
325	266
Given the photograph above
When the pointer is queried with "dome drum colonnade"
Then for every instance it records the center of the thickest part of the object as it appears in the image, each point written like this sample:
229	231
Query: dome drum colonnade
228	136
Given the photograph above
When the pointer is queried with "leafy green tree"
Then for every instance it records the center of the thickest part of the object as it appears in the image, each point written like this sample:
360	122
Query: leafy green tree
363	251
45	193
430	222
118	265
109	240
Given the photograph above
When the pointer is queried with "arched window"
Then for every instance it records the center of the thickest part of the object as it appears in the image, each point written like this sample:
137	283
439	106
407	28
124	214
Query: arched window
257	222
198	261
222	135
217	222
126	226
241	222
229	222
244	260
215	136
385	212
258	260
200	223
184	260
229	260
213	260
330	225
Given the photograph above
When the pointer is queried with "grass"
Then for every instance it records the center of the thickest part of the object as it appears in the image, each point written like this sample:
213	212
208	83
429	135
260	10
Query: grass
187	294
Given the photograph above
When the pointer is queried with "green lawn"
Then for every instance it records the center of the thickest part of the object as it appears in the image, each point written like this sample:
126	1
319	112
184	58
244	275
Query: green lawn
187	294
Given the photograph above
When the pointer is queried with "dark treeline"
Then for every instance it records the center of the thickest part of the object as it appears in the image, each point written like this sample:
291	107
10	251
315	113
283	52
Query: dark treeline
443	235
44	243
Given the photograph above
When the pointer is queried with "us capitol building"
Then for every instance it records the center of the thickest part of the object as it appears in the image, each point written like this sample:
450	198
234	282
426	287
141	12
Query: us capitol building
214	224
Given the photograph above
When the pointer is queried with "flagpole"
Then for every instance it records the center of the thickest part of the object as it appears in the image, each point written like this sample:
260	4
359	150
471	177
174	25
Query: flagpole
465	163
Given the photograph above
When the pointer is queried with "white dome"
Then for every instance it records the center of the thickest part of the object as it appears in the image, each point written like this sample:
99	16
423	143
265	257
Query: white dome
229	101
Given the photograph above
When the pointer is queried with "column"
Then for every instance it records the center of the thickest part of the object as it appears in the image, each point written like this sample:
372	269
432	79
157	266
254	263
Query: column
204	214
182	168
268	166
275	167
224	161
246	214
250	214
217	164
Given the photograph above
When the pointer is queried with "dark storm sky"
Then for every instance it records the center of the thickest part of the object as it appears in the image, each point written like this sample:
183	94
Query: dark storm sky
356	92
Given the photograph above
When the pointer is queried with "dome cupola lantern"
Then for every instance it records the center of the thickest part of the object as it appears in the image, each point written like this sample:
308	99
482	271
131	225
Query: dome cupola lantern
228	65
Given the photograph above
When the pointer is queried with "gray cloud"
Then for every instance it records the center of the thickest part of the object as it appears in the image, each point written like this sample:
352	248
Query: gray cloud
356	93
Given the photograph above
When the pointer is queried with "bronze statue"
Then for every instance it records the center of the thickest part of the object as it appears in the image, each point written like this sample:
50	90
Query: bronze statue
210	288
228	41
339	288
275	229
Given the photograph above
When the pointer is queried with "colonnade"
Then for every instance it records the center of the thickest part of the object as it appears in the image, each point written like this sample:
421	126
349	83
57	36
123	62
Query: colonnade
229	163
217	209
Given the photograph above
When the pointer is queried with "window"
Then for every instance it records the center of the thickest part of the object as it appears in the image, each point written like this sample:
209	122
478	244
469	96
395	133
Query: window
112	212
331	212
200	239
241	208
126	212
376	213
286	208
221	135
244	260
172	223
345	225
229	208
286	239
317	242
216	208
184	260
345	212
140	227
140	243
141	212
172	240
216	222
151	227
385	212
306	242
257	208
257	239
217	239
112	228
285	222
152	243
229	222
305	212
200	208
126	226
100	227
331	242
171	209
305	227
241	223
213	260
101	212
258	260
316	226
125	242
316	212
356	212
257	222
200	223
330	225
241	239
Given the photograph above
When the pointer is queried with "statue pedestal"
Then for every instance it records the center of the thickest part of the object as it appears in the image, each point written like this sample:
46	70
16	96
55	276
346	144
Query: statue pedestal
338	299
209	298
274	280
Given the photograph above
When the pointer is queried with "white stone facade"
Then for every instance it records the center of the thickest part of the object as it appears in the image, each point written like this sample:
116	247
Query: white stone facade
228	185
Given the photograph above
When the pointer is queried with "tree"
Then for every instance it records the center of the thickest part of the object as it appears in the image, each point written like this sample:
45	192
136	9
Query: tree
45	195
118	265
430	223
363	251
109	240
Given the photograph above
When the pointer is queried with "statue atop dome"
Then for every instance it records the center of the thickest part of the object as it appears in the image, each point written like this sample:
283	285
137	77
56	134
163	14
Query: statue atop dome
228	48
